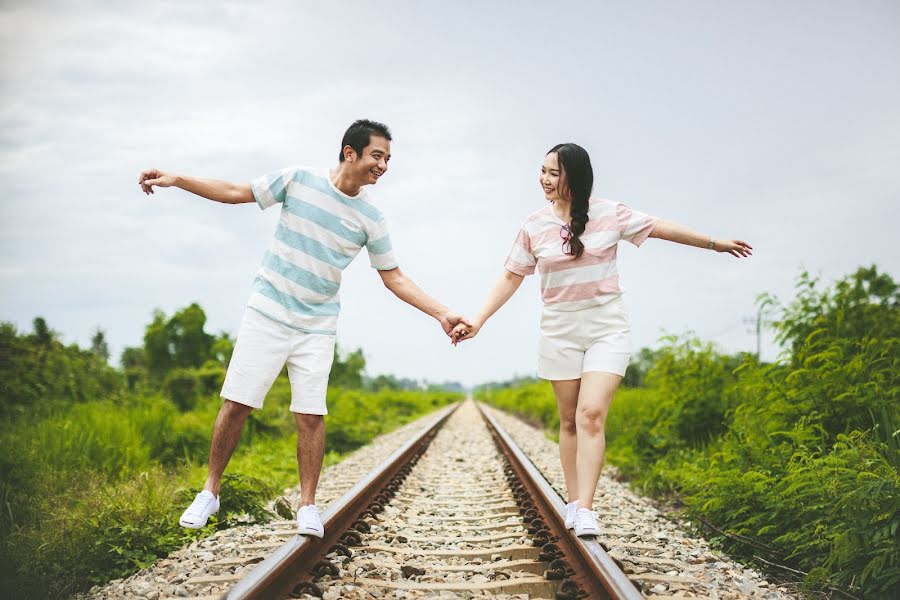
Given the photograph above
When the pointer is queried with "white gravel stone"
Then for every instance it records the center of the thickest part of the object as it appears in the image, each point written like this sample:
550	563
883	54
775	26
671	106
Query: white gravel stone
626	519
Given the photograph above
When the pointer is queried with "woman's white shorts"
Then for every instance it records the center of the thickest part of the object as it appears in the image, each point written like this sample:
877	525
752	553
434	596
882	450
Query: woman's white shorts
589	339
262	348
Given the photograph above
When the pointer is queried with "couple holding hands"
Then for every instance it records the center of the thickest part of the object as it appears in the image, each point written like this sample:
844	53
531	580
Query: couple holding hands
327	218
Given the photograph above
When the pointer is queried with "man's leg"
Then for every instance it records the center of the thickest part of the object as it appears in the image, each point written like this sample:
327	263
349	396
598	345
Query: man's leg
310	454
226	433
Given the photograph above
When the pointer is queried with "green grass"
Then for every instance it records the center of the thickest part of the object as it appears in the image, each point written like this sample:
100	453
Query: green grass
94	491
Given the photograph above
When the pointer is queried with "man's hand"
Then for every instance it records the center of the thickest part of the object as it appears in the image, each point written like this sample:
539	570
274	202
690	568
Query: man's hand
152	177
449	320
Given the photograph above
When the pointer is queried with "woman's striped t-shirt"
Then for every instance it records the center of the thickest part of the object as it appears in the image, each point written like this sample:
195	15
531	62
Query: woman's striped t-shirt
321	230
590	280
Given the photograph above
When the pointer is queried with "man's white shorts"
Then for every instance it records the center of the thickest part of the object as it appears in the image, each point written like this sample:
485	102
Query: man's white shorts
579	341
262	348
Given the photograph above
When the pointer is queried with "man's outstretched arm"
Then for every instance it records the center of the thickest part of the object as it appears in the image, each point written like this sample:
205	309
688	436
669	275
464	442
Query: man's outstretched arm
211	189
404	288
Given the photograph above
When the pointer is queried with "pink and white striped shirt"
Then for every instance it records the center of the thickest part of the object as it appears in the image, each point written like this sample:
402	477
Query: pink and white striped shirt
592	279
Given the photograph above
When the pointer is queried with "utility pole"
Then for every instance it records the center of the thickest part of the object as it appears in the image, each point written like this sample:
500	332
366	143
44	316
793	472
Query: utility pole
757	322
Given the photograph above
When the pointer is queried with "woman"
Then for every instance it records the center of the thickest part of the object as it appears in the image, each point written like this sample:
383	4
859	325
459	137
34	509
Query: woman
584	345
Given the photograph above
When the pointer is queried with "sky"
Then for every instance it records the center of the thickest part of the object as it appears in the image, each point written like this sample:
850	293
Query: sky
773	122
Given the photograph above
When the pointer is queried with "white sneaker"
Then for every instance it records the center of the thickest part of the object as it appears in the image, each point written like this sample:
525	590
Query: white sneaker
571	509
586	523
309	522
197	514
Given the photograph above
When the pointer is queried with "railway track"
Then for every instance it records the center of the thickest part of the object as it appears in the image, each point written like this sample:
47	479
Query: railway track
449	507
458	512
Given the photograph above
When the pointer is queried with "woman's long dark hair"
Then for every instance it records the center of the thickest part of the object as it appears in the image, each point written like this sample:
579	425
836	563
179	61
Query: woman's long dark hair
576	164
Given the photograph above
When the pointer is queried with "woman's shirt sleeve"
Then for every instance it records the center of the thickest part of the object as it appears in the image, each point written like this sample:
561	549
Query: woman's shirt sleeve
634	226
521	260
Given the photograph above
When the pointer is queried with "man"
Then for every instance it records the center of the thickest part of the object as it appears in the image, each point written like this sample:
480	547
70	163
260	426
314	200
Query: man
291	317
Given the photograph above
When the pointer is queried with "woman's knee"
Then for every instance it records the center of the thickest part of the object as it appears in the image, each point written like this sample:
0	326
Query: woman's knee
590	418
567	424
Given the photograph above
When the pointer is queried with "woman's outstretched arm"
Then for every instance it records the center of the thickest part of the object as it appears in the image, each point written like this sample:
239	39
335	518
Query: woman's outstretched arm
675	232
502	291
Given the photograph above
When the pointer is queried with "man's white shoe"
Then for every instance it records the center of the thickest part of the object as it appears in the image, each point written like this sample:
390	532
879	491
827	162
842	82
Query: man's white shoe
309	522
586	523
571	509
197	514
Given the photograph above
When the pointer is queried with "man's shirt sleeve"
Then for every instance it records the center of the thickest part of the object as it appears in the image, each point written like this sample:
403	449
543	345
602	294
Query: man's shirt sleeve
272	188
380	249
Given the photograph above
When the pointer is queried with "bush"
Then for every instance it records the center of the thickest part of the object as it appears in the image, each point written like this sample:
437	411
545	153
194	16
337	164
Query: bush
94	491
800	458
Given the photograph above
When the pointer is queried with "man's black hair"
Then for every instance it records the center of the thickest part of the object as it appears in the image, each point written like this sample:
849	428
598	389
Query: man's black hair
360	134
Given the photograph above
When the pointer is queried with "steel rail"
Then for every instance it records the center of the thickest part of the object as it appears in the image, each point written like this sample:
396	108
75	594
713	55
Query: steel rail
592	568
278	574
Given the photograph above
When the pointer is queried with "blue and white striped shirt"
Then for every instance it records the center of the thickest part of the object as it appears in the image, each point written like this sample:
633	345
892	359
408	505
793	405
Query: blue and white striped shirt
320	232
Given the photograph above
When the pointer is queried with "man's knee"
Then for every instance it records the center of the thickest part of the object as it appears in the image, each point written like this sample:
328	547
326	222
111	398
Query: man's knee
235	410
307	422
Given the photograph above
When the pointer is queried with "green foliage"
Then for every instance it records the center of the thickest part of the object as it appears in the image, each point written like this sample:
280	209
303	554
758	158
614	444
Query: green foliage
800	458
39	373
100	531
385	410
178	355
534	402
99	345
186	386
862	305
93	478
638	367
347	372
177	342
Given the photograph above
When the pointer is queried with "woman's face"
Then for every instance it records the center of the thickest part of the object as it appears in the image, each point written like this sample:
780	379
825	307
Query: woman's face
553	178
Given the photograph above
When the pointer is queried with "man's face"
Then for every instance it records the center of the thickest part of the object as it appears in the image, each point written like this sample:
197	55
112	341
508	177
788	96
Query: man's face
373	162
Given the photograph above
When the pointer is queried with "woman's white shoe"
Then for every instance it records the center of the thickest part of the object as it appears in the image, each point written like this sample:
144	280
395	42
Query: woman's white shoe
586	523
571	509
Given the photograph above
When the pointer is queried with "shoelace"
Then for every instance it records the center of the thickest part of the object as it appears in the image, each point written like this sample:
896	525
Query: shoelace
304	513
580	517
198	506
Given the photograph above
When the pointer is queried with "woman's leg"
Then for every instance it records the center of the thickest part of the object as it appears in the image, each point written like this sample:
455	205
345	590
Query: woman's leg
566	392
594	397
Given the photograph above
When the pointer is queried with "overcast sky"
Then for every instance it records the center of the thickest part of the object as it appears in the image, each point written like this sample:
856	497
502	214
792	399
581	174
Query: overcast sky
774	122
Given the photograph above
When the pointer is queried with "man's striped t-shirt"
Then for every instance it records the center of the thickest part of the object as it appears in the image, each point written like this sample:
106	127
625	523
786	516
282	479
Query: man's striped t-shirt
321	230
591	279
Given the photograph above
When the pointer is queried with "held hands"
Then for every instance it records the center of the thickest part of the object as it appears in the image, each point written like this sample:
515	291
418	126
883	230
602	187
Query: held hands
464	331
152	177
736	248
451	321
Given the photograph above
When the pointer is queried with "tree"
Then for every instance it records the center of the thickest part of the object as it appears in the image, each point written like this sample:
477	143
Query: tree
42	332
99	345
157	350
190	345
347	373
177	342
223	348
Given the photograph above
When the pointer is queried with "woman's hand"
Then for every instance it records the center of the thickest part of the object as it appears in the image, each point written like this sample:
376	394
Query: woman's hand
736	248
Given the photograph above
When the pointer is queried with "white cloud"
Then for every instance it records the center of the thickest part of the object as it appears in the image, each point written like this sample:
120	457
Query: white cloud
783	131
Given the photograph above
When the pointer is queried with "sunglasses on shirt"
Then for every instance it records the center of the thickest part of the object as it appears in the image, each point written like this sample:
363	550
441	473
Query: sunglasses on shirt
566	234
